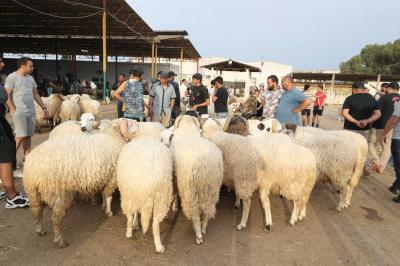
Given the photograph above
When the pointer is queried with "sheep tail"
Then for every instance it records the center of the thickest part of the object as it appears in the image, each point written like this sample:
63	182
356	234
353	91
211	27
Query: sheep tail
358	170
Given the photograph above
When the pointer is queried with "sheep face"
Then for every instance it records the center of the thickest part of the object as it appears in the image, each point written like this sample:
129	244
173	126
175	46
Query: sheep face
166	137
87	122
270	126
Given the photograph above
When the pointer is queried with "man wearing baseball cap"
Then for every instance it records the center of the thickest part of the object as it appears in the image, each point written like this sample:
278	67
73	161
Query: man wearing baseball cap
199	97
360	110
175	112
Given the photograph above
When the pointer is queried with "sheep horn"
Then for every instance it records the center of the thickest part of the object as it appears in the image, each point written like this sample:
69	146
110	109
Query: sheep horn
227	123
124	129
177	121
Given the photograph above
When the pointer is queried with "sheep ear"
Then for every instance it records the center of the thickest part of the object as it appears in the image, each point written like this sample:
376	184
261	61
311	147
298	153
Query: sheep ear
96	125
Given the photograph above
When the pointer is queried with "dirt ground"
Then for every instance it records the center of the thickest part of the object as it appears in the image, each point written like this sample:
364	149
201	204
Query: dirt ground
365	234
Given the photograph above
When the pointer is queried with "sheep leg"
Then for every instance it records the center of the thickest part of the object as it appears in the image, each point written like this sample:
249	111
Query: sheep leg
264	195
38	217
349	194
108	191
204	224
295	212
136	221
245	214
237	203
129	224
108	206
197	228
156	235
103	204
343	192
59	211
303	210
175	204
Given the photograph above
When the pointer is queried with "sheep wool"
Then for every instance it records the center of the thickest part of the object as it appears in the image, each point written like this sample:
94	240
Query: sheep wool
145	185
60	169
199	172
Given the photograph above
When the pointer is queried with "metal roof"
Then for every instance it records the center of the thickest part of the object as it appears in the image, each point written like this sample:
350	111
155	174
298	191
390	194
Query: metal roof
231	65
343	76
67	27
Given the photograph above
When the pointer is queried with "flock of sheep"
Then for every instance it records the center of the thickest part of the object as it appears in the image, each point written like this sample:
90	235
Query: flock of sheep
155	168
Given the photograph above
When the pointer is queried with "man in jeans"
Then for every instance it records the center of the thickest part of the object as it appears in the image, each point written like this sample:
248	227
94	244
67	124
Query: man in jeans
120	80
22	92
360	110
291	103
220	98
162	100
199	97
177	103
7	157
379	151
393	123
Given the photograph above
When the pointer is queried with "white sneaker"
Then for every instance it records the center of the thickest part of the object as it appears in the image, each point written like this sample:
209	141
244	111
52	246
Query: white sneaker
18	174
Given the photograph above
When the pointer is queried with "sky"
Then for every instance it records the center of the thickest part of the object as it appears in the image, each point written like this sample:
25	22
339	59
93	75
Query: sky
307	34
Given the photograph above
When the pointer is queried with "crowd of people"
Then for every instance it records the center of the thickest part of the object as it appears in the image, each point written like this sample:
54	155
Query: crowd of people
374	117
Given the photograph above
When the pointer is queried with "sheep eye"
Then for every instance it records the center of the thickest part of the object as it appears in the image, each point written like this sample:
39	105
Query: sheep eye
268	129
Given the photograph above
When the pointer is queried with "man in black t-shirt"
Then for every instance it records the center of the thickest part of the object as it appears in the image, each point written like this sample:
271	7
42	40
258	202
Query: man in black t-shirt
199	97
378	150
360	110
177	104
220	98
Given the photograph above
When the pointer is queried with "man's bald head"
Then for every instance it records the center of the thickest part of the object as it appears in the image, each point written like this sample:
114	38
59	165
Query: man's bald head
287	82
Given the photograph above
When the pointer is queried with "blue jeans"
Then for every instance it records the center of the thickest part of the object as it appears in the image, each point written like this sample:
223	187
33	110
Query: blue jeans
395	148
221	115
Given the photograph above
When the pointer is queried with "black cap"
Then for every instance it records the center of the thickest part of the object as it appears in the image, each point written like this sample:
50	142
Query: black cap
164	74
172	74
394	85
197	76
358	85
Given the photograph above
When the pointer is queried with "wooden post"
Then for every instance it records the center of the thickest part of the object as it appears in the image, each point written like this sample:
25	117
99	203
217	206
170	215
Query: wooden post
116	68
104	48
152	59
197	66
332	87
156	61
181	67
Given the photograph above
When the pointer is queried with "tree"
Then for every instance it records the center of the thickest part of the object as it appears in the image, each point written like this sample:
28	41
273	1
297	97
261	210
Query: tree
375	59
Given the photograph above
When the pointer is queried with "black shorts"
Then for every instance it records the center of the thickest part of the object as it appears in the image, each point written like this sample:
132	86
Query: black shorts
317	111
306	112
7	142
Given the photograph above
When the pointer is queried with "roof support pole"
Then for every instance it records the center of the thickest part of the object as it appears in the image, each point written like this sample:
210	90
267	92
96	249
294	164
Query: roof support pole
104	48
116	68
181	66
57	62
156	60
248	83
197	65
152	59
331	101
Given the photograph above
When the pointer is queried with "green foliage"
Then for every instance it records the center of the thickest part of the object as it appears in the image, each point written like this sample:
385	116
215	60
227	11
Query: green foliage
375	59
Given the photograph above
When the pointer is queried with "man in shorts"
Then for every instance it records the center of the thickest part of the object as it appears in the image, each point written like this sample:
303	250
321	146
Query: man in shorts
7	157
22	92
306	113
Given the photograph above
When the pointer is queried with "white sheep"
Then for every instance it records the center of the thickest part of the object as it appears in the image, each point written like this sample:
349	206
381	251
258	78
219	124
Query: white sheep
90	106
362	145
60	169
336	160
70	109
145	184
251	162
199	173
53	105
84	97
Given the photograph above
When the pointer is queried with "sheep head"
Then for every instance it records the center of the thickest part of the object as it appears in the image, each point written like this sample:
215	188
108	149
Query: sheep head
237	125
186	119
88	122
126	127
270	125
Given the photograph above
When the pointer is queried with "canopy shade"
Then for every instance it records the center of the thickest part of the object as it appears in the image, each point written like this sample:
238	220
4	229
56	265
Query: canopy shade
230	65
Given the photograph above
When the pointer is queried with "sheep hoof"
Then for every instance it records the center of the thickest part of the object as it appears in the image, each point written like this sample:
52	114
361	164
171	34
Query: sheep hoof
240	227
109	214
203	232
293	222
339	208
62	244
136	228
199	240
41	232
160	250
268	227
128	234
